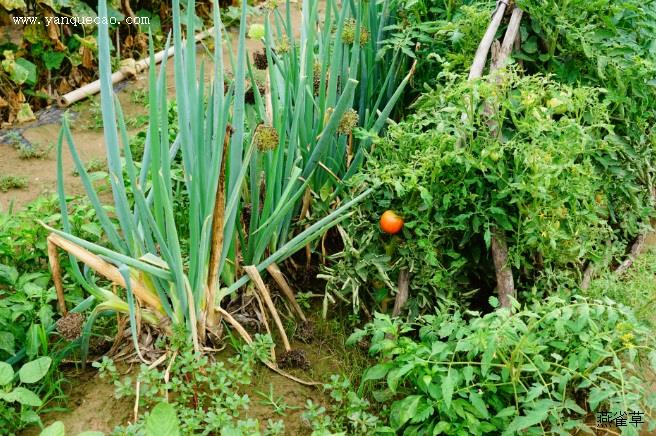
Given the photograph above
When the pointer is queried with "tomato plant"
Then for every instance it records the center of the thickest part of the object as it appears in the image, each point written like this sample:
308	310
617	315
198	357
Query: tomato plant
547	179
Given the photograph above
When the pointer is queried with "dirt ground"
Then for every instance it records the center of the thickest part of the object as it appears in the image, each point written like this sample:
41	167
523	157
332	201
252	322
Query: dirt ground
91	404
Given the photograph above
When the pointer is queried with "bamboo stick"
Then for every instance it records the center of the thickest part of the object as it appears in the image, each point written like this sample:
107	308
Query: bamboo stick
125	72
483	49
509	39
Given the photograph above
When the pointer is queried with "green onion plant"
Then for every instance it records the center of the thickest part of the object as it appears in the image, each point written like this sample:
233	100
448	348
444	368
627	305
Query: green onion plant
296	139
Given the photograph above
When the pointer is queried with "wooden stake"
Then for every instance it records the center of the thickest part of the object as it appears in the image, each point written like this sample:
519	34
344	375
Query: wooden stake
402	293
505	281
587	276
636	249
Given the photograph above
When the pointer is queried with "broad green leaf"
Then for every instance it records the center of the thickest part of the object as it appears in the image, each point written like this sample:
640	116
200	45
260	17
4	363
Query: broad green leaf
448	383
25	113
395	375
91	433
7	343
508	411
424	411
403	410
441	427
6	373
23	396
29	68
359	334
597	395
53	59
35	370
8	274
377	372
162	421
523	422
55	429
477	401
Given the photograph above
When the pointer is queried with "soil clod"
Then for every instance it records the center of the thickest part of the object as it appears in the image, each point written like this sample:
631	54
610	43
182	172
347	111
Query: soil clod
70	325
304	332
260	60
293	359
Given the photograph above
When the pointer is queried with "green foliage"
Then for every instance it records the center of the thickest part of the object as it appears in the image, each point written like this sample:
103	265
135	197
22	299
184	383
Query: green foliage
26	294
18	404
203	395
348	413
8	183
441	35
608	45
540	368
543	181
636	288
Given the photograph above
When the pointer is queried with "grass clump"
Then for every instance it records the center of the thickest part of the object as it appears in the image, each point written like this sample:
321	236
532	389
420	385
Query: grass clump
8	183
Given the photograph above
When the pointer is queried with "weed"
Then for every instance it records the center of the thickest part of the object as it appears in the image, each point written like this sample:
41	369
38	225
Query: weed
8	183
204	394
95	114
95	165
277	404
636	288
19	404
541	368
139	96
35	151
348	414
137	121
